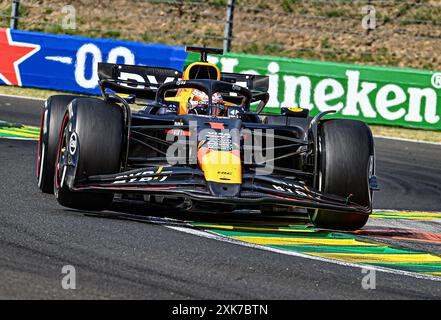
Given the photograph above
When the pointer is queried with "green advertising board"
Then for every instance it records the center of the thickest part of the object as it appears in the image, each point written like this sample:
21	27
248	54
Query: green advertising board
376	95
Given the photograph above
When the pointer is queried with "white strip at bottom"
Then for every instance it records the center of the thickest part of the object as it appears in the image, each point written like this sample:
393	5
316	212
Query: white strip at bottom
19	138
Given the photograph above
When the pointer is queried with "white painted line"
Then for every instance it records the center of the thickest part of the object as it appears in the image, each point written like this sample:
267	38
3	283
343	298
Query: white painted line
409	140
21	97
217	237
19	138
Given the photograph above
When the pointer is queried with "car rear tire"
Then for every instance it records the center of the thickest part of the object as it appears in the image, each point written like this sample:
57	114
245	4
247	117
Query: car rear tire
98	126
346	151
50	127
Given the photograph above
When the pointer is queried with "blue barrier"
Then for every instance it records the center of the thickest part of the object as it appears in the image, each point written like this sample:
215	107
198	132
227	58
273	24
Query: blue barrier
68	63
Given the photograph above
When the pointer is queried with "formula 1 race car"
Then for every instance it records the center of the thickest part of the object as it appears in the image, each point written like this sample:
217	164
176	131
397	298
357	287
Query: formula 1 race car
190	141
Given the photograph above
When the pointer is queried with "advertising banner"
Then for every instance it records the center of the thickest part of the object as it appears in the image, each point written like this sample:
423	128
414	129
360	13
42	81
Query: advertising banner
377	95
69	63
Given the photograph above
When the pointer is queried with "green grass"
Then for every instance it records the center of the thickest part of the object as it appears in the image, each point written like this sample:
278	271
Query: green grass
29	92
406	133
385	131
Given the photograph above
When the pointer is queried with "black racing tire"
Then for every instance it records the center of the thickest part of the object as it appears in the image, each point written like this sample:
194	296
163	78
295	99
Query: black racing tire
346	150
99	126
50	126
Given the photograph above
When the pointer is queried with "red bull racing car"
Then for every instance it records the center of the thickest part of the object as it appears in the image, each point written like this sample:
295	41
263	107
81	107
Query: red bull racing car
197	140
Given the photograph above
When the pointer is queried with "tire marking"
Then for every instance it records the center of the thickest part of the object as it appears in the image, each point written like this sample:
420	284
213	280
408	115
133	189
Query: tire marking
40	177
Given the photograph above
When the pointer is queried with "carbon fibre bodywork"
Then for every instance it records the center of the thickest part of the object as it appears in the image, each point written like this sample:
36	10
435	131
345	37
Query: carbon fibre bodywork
240	159
147	171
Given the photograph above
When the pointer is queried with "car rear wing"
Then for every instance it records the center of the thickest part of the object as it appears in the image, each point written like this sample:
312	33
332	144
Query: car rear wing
142	81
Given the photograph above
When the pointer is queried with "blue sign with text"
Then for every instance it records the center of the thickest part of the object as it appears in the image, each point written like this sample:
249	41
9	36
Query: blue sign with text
69	63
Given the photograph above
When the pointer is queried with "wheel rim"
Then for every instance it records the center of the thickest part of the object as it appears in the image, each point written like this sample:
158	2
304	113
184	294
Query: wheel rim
60	162
320	176
41	146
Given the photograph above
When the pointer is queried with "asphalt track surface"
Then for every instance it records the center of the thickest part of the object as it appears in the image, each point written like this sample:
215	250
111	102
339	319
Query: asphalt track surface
123	259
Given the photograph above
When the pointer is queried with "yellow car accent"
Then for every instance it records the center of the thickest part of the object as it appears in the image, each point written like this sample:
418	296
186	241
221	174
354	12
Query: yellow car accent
187	71
183	95
182	98
222	167
295	109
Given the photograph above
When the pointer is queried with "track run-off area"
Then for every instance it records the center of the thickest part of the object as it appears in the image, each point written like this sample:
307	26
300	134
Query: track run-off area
133	251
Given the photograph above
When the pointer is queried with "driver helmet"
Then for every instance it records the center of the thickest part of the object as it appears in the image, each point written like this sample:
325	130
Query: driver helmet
198	102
